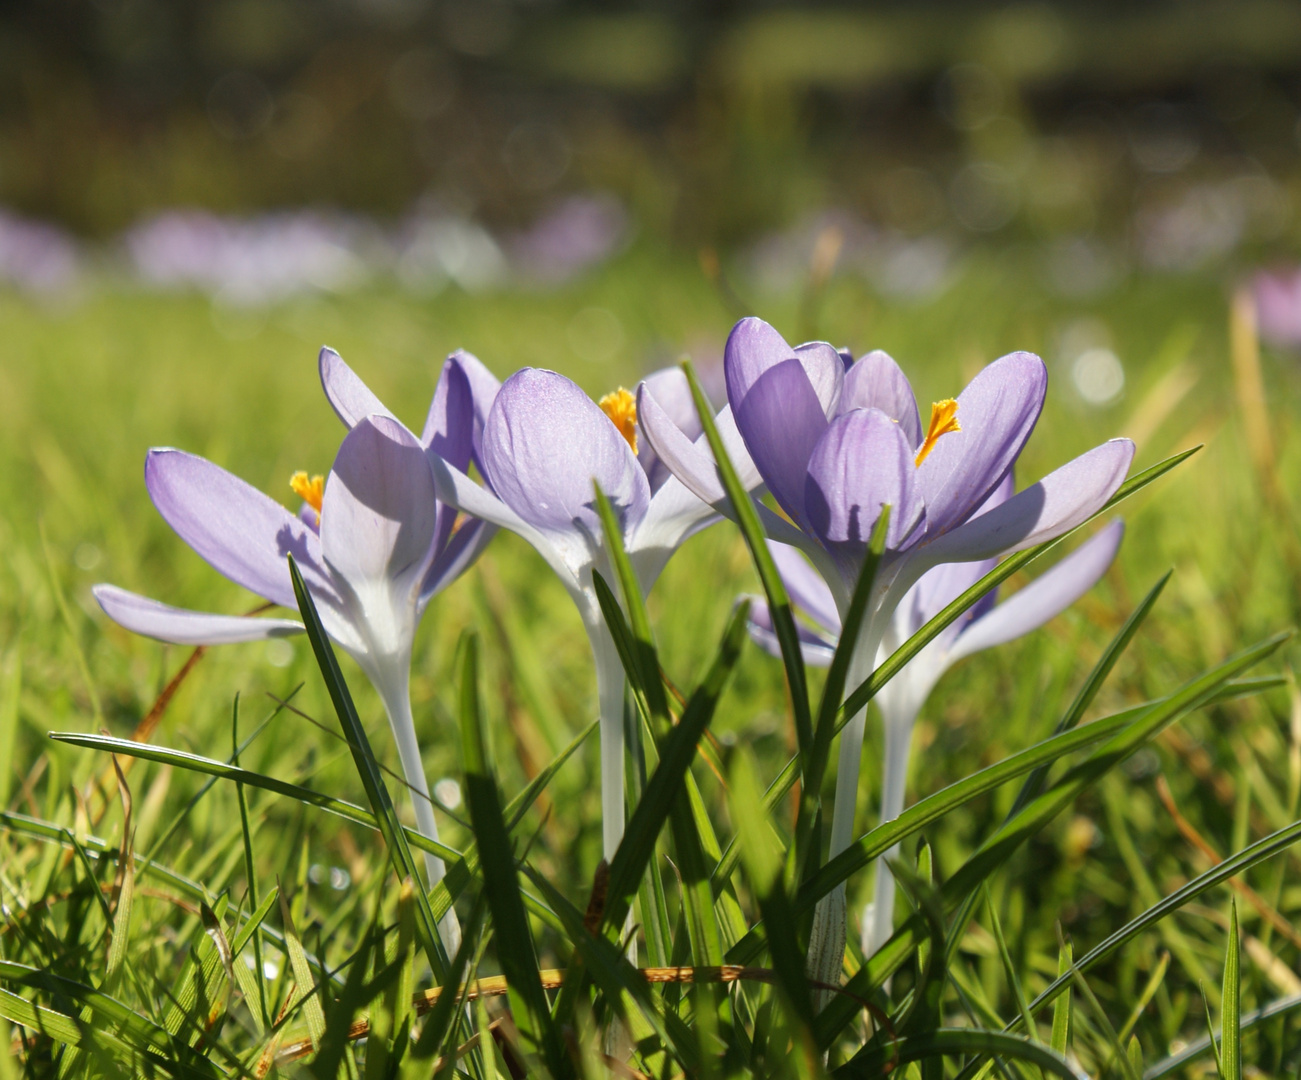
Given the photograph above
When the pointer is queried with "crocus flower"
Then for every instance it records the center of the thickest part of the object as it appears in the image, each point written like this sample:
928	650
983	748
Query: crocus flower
545	443
986	624
834	444
372	541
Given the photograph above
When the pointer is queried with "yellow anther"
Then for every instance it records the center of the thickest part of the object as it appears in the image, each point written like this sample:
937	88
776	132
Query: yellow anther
944	418
312	491
621	407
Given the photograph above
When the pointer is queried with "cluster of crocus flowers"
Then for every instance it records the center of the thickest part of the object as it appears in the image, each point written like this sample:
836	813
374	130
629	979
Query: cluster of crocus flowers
833	443
373	542
831	440
986	624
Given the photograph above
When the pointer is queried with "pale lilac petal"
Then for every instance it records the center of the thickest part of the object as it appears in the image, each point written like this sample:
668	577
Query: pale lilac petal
877	382
1060	501
674	515
691	461
235	528
1045	597
805	586
152	619
453	560
377	524
862	463
816	650
672	392
350	397
449	427
781	420
997	412
308	516
543	446
484	386
753	347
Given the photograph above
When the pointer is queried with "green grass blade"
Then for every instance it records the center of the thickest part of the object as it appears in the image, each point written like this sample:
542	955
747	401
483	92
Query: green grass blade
951	1042
305	990
1231	1003
1177	1063
395	839
779	604
1061	1035
516	951
1009	971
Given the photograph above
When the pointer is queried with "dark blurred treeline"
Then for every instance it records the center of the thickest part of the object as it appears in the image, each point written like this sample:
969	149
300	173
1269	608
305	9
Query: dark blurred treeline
710	121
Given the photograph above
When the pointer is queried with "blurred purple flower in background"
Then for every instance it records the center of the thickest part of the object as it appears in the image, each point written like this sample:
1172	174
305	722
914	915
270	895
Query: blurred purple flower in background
251	261
35	256
1277	295
578	233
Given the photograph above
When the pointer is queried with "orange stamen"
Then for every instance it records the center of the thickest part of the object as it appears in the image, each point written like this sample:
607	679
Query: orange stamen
944	419
312	491
621	407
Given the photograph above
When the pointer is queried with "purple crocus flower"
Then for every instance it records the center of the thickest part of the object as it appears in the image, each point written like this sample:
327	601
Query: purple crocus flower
834	444
544	444
986	624
373	543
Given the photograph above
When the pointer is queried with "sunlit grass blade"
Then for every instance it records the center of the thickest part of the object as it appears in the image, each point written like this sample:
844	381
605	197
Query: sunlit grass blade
372	778
1230	1004
305	990
1075	713
859	698
1178	1063
516	951
1061	1035
779	604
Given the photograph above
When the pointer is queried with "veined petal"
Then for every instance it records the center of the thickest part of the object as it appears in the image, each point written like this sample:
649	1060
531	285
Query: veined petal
862	463
1046	596
179	626
877	382
805	587
691	460
544	444
377	530
236	529
1060	501
453	560
753	347
782	419
816	650
997	412
483	390
350	397
672	393
458	490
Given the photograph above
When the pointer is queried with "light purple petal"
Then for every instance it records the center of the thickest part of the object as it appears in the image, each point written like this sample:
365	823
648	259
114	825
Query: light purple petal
1060	501
543	446
350	397
781	420
805	586
236	529
877	382
377	521
460	553
997	412
816	650
690	461
484	386
674	515
1045	597
862	463
672	392
152	619
449	434
753	347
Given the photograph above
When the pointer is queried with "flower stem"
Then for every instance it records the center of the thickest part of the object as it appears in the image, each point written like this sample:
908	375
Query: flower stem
609	692
898	739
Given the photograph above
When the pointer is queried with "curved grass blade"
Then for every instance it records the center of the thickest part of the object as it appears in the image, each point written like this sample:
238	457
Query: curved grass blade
949	1042
779	604
372	779
1176	1063
516	951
